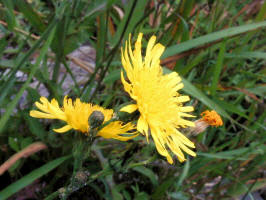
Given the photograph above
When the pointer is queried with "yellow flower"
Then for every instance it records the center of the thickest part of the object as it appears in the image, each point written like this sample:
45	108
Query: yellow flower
160	105
212	118
77	114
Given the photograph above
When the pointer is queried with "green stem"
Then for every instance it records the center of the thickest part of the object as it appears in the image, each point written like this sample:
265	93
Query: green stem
81	150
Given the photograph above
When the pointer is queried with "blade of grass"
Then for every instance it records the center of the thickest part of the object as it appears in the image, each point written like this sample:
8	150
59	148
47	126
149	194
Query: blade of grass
176	49
10	17
240	188
231	108
12	78
196	93
218	68
58	44
101	38
184	173
31	15
184	70
247	54
98	6
129	20
32	176
238	154
3	44
14	102
260	17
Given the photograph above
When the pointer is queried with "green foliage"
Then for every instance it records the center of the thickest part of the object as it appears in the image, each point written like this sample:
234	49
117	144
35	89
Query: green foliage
218	47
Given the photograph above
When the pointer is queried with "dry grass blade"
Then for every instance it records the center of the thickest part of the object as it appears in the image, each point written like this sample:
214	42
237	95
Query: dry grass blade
26	152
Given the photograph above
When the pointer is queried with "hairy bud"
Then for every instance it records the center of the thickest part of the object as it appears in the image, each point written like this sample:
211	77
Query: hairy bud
96	119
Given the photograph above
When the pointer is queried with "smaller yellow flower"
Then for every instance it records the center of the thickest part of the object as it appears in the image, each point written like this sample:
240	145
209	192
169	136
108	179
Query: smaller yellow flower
212	118
76	114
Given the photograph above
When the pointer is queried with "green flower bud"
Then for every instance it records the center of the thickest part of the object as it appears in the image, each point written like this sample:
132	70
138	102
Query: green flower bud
96	119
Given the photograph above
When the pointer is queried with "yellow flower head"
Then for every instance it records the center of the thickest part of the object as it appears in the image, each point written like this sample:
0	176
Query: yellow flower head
160	105
212	118
77	114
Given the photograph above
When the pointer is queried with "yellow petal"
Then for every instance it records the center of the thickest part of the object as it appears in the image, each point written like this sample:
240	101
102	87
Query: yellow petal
116	130
44	100
160	145
185	123
142	127
169	159
137	51
148	56
182	99
187	150
42	107
185	115
156	53
127	86
63	129
55	103
175	148
38	114
186	109
179	86
129	108
181	159
179	136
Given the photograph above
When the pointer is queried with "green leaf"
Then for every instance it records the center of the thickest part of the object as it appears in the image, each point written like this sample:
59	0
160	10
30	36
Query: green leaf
13	143
259	90
240	188
112	76
179	196
32	176
6	63
142	196
35	126
148	173
185	46
12	169
30	15
162	188
25	142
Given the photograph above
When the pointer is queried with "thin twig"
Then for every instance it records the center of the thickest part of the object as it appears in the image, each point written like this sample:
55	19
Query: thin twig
21	31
